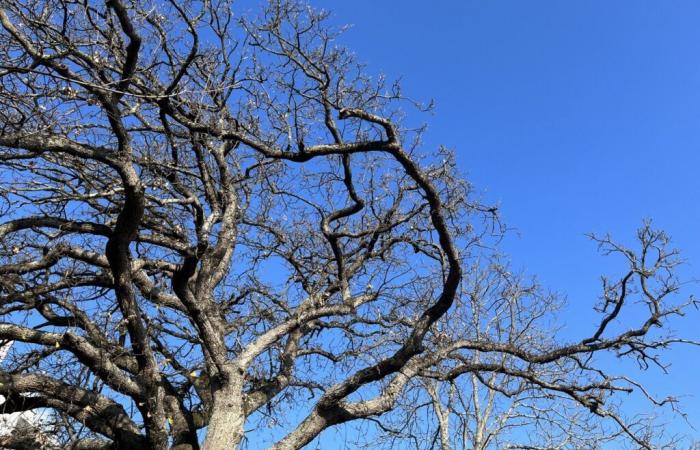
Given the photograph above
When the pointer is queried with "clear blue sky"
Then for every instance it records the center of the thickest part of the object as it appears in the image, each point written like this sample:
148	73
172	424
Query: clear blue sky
575	116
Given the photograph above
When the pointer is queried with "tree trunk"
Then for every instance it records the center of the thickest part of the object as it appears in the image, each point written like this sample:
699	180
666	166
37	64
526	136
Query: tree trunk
225	429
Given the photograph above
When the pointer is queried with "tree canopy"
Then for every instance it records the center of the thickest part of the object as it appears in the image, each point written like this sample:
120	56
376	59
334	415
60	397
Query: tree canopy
217	226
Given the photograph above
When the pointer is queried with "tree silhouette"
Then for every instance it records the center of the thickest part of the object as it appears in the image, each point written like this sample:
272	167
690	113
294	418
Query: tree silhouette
212	220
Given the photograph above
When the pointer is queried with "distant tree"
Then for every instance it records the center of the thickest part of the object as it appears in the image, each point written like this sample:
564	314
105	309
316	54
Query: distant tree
213	224
499	409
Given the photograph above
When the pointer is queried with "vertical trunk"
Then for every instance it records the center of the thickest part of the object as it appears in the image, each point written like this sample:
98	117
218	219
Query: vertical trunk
225	429
442	414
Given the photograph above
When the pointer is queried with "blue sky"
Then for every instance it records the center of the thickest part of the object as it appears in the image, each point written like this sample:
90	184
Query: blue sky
574	116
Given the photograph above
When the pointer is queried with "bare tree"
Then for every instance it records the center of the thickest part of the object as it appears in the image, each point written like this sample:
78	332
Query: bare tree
211	219
495	409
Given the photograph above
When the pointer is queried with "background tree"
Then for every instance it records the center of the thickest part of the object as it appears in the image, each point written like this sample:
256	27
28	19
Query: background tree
210	220
496	410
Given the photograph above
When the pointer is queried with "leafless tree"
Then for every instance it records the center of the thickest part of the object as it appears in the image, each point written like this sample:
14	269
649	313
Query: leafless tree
497	410
212	219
